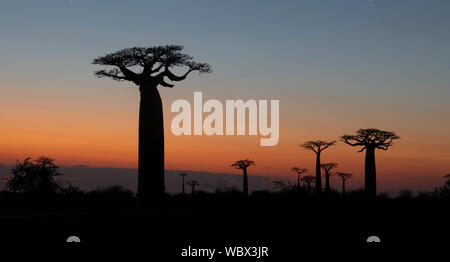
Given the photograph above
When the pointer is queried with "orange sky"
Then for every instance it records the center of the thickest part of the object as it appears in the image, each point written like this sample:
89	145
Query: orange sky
90	130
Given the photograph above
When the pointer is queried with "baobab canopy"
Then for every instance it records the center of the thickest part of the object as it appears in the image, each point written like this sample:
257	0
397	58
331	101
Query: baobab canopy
371	137
154	61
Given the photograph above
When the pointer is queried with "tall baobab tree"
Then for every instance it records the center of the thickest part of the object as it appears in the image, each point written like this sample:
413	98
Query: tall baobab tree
370	139
183	175
317	147
327	169
193	184
156	64
308	180
344	177
243	165
299	172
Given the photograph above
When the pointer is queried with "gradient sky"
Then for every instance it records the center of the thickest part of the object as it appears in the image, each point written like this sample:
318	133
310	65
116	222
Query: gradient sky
335	66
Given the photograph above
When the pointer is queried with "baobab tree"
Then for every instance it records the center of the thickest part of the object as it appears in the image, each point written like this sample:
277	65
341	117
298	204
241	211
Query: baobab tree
183	175
156	64
193	184
308	180
344	177
299	172
243	165
327	169
370	139
317	147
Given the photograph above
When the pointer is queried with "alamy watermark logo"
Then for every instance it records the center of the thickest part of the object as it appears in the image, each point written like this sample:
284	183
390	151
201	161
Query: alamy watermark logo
213	124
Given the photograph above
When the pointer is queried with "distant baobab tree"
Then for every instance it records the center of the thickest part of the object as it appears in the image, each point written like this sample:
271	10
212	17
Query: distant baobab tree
370	139
183	175
317	147
243	165
156	64
299	172
308	180
193	184
327	169
344	177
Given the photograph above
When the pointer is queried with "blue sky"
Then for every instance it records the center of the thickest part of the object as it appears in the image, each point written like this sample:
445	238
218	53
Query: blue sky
271	37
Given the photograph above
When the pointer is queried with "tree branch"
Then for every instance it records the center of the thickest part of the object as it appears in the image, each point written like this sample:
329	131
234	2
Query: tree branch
157	69
128	73
362	149
113	74
163	83
173	77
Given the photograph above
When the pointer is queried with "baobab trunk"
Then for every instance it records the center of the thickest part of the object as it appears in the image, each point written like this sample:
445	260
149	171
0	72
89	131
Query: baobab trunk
343	187
327	182
318	175
151	147
370	172
245	188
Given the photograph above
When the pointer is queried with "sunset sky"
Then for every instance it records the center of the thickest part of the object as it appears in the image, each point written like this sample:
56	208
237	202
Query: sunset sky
335	66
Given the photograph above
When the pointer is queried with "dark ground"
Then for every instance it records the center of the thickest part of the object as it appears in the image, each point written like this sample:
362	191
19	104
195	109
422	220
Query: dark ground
291	227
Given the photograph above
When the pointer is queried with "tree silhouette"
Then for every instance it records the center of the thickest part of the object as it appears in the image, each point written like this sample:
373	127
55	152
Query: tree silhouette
370	139
447	183
299	172
156	64
282	185
183	175
36	176
444	191
308	180
344	177
244	164
317	147
327	169
193	184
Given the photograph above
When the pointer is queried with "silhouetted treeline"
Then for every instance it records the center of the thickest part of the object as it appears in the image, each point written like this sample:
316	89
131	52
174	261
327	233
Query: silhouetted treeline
33	184
284	195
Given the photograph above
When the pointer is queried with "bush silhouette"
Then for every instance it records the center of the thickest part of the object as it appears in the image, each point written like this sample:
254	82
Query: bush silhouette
34	176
